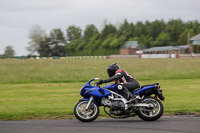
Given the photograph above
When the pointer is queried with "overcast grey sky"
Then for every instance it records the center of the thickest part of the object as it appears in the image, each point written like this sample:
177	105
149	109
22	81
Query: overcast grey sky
18	16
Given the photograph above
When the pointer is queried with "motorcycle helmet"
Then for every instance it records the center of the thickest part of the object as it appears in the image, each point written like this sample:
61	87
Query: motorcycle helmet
112	68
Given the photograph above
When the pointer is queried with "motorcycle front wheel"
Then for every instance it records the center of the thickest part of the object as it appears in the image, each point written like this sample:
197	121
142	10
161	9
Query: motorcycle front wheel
153	113
86	115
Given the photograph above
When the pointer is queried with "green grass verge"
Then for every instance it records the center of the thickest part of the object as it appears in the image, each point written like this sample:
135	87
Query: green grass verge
42	89
56	100
75	70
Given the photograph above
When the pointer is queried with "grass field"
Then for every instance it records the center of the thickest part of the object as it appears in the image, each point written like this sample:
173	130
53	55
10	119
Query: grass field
49	89
70	70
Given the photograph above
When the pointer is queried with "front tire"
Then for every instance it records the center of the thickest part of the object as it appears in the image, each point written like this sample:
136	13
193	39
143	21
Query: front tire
151	114
86	115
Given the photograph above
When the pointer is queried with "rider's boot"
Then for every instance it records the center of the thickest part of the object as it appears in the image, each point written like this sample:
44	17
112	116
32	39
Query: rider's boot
129	96
133	99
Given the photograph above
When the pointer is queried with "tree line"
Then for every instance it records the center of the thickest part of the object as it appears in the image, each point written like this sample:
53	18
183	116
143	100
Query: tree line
9	52
92	41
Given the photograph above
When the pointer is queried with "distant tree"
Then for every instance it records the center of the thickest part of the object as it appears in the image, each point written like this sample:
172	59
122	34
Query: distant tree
91	42
114	43
148	30
156	27
124	28
184	36
106	43
117	42
81	44
198	30
143	40
9	52
139	28
163	39
97	43
45	47
131	30
127	30
89	31
147	41
36	36
73	46
194	25
175	28
73	33
148	34
58	43
109	29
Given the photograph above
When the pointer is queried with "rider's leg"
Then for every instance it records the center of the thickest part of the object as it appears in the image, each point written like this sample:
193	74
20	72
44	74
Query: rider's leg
126	93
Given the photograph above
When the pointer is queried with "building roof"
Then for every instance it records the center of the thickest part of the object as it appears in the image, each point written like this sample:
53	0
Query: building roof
166	48
182	47
132	44
197	37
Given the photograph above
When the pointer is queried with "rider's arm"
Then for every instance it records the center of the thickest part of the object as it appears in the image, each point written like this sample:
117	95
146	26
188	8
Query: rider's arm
115	77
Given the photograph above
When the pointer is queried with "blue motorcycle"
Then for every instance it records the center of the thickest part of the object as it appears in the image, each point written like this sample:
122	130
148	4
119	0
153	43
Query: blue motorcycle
148	107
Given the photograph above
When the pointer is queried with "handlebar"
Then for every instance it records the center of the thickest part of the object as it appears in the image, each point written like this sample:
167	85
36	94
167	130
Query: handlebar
96	84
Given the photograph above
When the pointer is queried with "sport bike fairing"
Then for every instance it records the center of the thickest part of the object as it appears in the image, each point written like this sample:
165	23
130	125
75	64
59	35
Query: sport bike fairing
88	90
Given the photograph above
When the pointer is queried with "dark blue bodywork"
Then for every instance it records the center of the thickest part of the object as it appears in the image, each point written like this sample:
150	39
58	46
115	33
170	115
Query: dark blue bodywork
111	87
97	92
143	90
87	91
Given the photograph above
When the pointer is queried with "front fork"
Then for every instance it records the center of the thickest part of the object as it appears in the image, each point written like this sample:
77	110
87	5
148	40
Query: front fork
91	98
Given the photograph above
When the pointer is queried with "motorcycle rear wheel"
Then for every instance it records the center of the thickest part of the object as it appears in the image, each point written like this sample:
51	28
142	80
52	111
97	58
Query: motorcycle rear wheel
86	115
151	114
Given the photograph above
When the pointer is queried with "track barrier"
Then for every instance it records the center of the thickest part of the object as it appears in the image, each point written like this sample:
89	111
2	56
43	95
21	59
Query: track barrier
71	57
159	55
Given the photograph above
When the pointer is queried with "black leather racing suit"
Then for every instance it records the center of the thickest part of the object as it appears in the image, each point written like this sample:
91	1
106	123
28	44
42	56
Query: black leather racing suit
123	78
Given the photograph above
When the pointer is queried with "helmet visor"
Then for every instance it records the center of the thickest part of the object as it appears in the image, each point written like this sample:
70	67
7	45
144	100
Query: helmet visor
110	72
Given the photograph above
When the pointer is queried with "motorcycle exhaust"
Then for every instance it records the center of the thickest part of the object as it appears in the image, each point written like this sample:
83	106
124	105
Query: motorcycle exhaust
143	105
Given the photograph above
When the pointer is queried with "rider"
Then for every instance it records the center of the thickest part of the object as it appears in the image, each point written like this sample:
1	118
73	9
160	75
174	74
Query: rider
126	82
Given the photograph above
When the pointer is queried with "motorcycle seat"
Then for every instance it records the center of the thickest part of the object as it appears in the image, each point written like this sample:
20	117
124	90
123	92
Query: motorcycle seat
137	89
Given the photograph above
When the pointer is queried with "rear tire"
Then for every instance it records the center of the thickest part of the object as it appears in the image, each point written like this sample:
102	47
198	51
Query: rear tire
86	115
151	114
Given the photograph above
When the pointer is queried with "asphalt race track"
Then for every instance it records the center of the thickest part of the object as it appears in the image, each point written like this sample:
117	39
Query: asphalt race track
133	125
